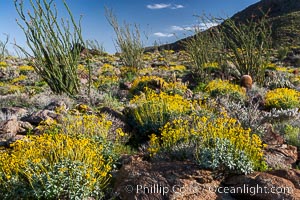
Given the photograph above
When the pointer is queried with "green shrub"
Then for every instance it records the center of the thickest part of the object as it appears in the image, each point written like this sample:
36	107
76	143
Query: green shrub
223	155
249	46
292	135
282	98
216	143
202	48
129	42
157	83
3	49
223	88
55	166
55	45
150	111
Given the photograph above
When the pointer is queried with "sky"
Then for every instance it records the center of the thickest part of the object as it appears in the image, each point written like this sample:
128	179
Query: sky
160	21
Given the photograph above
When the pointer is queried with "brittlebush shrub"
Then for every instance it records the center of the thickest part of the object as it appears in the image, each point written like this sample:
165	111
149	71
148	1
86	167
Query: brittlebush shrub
150	111
96	127
72	159
283	98
55	166
224	88
217	143
154	82
292	135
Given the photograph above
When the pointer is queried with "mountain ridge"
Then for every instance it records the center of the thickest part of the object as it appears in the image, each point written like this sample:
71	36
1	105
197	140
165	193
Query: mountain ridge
282	15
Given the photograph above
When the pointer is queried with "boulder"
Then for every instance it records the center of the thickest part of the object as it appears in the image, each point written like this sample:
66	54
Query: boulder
24	127
125	86
41	115
14	139
9	128
140	179
281	156
271	137
293	175
262	186
14	112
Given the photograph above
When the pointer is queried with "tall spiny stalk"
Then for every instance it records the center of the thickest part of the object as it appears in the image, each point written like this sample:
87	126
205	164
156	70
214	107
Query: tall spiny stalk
53	44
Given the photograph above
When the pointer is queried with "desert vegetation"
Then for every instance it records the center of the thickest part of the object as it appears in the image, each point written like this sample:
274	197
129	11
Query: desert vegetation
85	110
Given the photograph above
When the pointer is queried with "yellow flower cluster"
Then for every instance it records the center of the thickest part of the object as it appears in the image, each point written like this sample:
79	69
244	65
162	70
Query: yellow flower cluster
173	68
170	103
220	87
295	79
19	79
214	65
106	68
147	57
283	98
203	131
82	68
10	89
141	82
106	76
145	70
106	80
51	149
154	145
150	111
154	82
24	69
284	69
3	64
85	125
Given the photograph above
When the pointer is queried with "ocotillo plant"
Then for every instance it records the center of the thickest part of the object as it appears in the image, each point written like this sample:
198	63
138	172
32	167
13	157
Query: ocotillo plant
53	44
203	46
3	50
128	41
249	45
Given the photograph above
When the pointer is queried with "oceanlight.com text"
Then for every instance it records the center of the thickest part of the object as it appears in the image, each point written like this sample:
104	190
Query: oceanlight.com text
244	189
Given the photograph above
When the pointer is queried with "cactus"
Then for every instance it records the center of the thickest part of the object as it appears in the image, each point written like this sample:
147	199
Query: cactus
246	82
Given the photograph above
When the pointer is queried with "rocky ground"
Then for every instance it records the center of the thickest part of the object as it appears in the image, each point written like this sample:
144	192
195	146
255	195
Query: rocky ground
26	102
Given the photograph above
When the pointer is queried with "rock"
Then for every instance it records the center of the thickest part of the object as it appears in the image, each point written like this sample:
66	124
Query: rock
117	72
113	113
246	82
123	94
293	59
83	80
259	100
231	70
9	128
296	71
188	94
271	137
125	86
56	104
293	175
282	157
24	127
36	117
139	179
83	108
3	74
14	139
14	112
262	186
